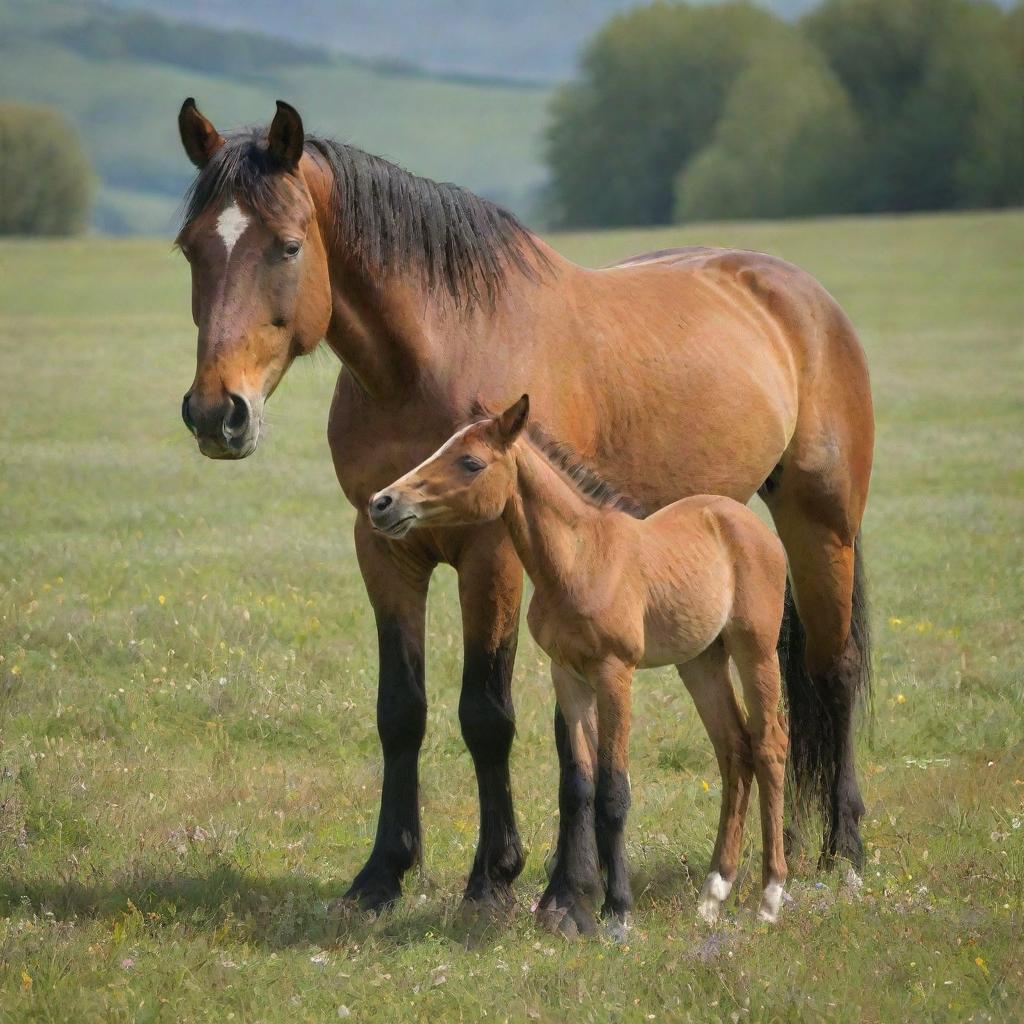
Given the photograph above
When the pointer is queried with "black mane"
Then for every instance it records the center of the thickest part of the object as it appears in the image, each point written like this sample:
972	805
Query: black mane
585	479
387	217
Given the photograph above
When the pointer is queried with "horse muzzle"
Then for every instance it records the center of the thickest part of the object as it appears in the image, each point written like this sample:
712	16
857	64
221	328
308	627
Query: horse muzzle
228	428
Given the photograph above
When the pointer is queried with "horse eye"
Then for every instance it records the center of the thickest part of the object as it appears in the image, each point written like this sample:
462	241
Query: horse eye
471	464
292	248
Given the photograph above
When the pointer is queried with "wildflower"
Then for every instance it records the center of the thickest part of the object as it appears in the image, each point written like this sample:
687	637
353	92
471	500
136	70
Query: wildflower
704	785
26	981
895	622
15	670
162	599
980	961
900	699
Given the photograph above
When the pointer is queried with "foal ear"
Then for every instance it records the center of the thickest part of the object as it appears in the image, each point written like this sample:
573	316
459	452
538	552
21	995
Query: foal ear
511	422
287	136
200	139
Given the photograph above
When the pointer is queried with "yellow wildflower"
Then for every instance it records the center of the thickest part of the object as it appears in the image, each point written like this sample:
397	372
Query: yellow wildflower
162	599
900	699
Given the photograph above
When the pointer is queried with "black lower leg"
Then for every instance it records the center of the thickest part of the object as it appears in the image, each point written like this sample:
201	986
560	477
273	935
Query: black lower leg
564	766
844	806
571	895
610	816
401	722
488	727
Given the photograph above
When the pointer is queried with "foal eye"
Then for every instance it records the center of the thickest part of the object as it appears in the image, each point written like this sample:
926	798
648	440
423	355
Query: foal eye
292	248
471	464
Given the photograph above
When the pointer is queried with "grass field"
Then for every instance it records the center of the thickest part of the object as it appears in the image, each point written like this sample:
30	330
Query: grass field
189	768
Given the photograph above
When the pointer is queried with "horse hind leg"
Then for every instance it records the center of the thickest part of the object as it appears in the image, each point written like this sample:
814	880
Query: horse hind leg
826	674
708	681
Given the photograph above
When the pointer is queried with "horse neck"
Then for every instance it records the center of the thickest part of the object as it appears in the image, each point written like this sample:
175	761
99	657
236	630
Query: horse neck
394	333
548	519
376	327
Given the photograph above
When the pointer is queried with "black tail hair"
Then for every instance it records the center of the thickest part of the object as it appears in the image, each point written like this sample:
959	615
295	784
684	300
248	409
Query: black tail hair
812	746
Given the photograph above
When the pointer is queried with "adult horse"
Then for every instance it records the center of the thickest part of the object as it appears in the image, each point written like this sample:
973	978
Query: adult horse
433	299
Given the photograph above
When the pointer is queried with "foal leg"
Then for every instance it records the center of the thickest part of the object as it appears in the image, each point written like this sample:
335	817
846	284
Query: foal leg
396	581
707	678
490	589
569	900
758	667
613	684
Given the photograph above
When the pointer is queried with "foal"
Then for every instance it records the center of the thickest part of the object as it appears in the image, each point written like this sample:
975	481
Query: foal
698	582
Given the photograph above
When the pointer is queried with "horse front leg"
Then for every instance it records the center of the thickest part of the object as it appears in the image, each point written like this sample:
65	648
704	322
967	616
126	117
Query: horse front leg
490	592
396	580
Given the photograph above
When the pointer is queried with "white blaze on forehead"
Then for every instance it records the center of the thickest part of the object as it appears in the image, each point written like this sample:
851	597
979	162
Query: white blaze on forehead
231	225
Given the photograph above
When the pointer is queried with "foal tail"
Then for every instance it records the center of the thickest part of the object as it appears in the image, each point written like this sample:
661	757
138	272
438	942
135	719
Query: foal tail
814	749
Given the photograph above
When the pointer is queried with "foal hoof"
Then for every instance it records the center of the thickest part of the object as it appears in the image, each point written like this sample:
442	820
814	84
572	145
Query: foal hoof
713	894
771	903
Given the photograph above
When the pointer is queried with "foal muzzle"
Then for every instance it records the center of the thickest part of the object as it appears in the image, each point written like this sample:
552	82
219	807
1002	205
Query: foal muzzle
391	515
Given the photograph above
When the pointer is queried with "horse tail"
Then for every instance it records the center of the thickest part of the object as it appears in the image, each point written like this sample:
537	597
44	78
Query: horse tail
813	748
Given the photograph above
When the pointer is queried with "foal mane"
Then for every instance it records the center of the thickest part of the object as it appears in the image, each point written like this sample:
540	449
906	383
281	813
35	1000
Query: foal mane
587	482
561	455
384	215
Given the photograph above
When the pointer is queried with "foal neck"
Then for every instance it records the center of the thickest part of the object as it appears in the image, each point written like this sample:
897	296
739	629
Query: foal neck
549	521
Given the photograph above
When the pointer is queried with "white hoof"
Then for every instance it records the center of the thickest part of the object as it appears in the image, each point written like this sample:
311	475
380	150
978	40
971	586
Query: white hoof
771	903
852	882
617	929
715	891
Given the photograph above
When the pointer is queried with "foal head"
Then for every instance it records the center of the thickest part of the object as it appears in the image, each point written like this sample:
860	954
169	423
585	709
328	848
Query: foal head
260	286
469	479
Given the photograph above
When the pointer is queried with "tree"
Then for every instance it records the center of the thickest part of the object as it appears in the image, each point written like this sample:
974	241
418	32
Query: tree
46	182
785	145
939	93
652	86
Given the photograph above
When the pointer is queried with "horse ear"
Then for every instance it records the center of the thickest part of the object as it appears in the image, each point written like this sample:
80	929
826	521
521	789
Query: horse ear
511	422
287	136
200	139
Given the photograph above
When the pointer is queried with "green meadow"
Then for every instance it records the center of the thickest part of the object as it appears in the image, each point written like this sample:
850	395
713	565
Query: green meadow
189	768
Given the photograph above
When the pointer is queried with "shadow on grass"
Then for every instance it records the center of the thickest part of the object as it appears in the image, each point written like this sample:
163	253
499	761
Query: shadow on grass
275	912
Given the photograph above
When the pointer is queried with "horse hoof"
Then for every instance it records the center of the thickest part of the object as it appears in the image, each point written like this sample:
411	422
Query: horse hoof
492	902
617	928
373	894
567	918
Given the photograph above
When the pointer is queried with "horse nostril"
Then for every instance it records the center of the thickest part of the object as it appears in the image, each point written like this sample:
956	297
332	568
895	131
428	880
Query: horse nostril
238	418
186	414
383	503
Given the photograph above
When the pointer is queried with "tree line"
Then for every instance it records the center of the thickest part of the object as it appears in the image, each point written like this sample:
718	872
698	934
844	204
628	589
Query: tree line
684	112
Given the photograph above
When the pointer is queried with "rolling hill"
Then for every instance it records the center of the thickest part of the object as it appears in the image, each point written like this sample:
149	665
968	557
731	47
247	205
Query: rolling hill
120	77
537	39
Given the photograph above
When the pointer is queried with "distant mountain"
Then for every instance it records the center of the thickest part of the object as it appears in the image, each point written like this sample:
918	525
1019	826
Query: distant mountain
120	77
534	39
